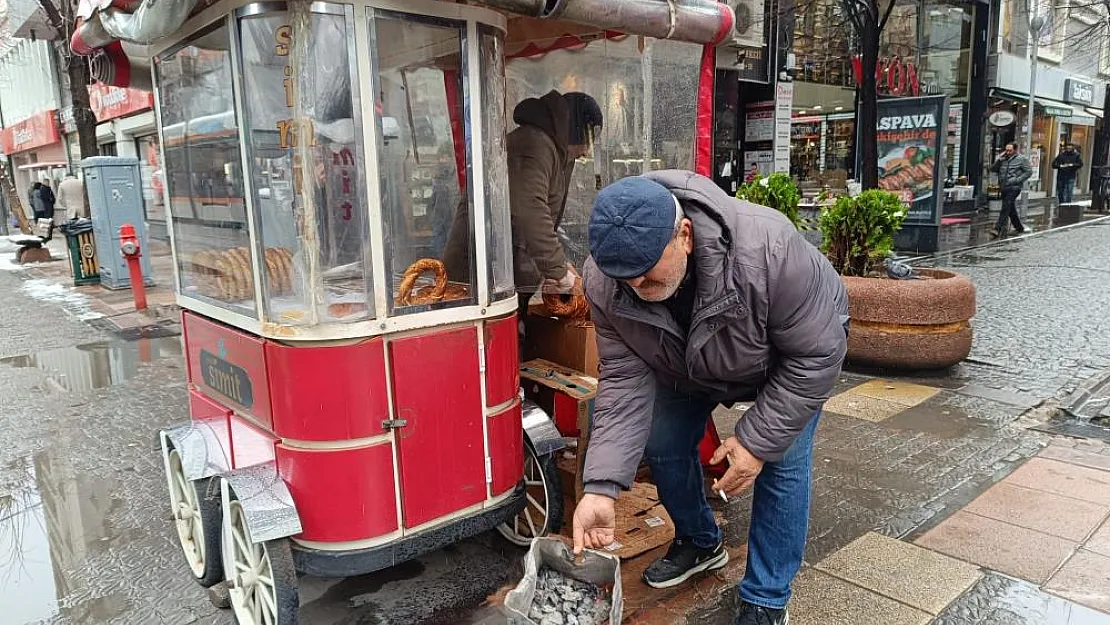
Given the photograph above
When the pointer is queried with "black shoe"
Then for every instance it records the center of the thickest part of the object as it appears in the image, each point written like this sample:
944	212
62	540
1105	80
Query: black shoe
684	560
755	615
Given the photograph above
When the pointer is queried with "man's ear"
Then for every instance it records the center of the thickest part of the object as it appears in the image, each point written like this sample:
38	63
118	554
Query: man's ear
687	235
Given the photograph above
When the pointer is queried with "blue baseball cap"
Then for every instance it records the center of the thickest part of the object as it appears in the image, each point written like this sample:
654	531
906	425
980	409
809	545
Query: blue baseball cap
632	223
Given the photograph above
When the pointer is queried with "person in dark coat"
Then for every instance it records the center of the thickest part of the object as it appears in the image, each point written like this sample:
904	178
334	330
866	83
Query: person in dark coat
43	201
1067	165
700	299
553	131
1013	170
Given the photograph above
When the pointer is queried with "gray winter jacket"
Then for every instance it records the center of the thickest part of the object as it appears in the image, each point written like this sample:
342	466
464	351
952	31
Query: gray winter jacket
1012	172
768	325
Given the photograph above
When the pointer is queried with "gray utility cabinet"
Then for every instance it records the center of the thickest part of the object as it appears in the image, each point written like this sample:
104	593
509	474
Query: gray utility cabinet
116	198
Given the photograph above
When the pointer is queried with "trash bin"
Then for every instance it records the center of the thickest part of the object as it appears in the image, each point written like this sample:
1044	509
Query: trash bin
81	249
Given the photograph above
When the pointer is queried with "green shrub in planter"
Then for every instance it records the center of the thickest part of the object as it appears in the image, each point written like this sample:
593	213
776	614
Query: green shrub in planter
777	191
859	231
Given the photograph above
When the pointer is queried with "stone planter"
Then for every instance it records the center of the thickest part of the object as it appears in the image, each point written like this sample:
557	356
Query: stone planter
910	324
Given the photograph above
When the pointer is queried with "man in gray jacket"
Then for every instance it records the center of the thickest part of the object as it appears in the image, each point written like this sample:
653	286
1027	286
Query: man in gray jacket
701	299
1013	170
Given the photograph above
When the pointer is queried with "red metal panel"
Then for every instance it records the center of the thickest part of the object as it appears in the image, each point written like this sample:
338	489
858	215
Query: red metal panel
436	389
341	494
506	449
227	365
502	361
250	445
209	414
328	393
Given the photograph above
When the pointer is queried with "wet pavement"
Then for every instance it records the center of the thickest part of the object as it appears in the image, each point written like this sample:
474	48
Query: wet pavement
85	536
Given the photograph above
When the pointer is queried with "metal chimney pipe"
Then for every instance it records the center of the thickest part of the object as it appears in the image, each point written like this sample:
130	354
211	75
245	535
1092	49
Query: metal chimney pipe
707	22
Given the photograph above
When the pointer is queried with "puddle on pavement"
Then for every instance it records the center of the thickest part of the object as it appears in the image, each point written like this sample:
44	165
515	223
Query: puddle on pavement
97	365
50	523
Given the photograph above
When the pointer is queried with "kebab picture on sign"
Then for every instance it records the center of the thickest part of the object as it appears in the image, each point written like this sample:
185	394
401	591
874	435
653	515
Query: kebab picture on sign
908	169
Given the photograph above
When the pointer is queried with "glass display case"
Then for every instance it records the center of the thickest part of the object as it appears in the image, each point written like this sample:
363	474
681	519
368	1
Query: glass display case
288	214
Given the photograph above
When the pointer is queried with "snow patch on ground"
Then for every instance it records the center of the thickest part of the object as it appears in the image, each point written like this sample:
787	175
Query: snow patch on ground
73	301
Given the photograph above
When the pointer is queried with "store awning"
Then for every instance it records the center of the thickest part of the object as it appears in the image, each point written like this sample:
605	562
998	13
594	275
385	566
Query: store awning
1052	107
42	165
1094	112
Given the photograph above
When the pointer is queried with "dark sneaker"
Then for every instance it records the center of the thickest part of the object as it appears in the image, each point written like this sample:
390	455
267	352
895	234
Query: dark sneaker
684	560
755	615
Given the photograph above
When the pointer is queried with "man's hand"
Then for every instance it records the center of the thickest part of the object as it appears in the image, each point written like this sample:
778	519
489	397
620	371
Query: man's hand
743	467
564	285
595	522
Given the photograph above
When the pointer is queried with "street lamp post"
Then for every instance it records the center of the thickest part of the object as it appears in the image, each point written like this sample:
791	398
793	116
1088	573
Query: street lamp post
1035	26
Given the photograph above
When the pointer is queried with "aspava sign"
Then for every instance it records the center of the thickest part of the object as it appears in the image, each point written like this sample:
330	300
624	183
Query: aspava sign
908	122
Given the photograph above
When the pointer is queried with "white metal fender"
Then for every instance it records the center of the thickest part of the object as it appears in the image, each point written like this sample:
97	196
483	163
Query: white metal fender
540	431
267	505
199	446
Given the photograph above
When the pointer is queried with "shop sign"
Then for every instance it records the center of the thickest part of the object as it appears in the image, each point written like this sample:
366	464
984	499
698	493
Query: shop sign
1001	118
67	119
784	104
894	76
109	102
911	134
34	132
759	126
1078	91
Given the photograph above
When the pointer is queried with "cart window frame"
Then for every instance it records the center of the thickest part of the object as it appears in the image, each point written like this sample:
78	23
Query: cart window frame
312	300
246	310
475	284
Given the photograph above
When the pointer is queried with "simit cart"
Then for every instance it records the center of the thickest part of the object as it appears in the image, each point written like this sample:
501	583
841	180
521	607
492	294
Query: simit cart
351	407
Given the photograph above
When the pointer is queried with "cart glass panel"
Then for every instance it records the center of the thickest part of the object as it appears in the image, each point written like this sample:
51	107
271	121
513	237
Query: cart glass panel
423	159
500	239
646	91
204	172
310	200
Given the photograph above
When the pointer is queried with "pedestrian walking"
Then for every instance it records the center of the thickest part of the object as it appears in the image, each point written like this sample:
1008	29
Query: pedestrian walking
701	299
1067	165
71	197
1013	170
43	201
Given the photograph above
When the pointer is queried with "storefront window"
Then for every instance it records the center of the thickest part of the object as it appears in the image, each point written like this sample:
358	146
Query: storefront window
423	159
946	48
204	172
308	177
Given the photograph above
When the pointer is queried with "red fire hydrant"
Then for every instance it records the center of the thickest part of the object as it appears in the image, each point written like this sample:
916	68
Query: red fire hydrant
129	248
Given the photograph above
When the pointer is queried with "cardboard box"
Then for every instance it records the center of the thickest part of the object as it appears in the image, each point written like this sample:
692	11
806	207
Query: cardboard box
565	394
565	342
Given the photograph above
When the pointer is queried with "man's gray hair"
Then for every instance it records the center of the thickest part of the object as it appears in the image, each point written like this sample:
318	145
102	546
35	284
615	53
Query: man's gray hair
679	215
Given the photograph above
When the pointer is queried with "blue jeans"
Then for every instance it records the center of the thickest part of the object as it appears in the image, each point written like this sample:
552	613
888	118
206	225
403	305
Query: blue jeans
1065	188
780	499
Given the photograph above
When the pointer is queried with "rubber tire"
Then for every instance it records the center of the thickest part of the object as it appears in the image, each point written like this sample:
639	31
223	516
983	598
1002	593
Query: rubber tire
285	581
211	512
555	503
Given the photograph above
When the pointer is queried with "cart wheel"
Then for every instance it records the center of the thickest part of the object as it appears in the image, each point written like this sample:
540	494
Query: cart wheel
262	584
196	516
543	511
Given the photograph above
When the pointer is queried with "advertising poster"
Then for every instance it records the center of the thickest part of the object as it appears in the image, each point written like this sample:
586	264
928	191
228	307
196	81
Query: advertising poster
759	126
911	135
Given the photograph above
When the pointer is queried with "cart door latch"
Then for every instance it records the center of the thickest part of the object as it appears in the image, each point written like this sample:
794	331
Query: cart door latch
392	424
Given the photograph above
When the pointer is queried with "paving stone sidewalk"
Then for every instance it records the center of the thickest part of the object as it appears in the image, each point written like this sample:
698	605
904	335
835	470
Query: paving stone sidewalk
930	508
